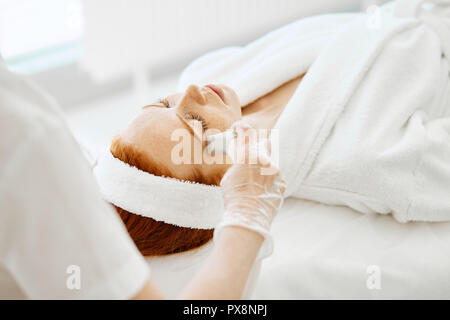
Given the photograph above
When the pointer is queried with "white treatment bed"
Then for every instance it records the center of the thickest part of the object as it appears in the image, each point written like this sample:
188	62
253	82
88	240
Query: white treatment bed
320	251
327	252
323	252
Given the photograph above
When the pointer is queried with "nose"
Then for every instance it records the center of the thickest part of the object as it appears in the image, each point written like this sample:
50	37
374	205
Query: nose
193	94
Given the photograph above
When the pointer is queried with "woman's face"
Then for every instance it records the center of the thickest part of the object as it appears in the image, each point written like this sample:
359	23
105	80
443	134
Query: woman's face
199	109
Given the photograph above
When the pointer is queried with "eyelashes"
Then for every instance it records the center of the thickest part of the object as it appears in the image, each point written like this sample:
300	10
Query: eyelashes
189	116
196	117
164	102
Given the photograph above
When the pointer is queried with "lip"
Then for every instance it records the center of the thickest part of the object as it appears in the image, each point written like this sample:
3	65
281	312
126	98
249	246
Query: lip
217	91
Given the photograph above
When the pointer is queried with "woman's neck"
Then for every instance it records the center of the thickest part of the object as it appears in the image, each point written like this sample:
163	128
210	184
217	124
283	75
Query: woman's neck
264	112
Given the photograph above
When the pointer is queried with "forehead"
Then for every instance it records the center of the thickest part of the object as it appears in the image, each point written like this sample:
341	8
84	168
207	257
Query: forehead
152	127
151	133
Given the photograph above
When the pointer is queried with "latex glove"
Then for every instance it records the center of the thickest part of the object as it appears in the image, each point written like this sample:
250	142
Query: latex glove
251	196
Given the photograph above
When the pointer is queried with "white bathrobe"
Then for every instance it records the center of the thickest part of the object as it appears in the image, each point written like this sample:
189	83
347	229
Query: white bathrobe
369	125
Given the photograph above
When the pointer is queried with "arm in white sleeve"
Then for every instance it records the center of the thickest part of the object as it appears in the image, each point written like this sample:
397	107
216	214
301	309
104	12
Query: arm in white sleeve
53	218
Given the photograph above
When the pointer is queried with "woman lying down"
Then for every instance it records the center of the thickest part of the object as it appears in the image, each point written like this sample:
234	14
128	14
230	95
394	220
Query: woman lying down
361	114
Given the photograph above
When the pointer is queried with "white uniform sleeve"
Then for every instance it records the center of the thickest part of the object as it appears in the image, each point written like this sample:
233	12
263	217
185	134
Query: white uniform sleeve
58	238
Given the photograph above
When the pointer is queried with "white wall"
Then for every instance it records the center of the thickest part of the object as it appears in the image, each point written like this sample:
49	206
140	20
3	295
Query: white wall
126	35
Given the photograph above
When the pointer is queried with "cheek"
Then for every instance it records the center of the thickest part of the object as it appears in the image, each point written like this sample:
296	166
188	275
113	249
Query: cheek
223	121
235	106
235	112
225	118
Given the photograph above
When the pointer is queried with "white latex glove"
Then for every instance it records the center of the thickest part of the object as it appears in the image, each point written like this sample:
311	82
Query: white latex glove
251	196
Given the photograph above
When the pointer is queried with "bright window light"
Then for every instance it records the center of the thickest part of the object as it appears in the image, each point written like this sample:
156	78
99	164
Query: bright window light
46	30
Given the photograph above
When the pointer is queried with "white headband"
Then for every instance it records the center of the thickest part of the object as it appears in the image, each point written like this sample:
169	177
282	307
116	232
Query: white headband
181	203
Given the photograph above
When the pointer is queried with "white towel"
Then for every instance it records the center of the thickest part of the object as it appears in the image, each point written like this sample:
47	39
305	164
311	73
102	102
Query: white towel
369	125
181	203
195	205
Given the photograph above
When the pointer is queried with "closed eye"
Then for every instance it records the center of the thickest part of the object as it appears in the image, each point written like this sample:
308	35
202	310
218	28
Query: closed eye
165	102
193	116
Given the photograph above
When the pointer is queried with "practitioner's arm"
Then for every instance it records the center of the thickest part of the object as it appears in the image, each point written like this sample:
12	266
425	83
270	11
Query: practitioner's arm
251	199
225	272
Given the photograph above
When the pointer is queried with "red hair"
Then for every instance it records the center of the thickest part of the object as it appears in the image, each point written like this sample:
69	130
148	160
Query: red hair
156	237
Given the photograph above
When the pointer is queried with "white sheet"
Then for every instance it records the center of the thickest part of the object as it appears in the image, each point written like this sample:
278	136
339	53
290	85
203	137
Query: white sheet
324	252
172	273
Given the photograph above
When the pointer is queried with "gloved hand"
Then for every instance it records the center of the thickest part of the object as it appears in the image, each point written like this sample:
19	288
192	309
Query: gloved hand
252	194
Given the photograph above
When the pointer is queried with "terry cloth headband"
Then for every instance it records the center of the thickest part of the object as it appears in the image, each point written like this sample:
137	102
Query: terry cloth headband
181	203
